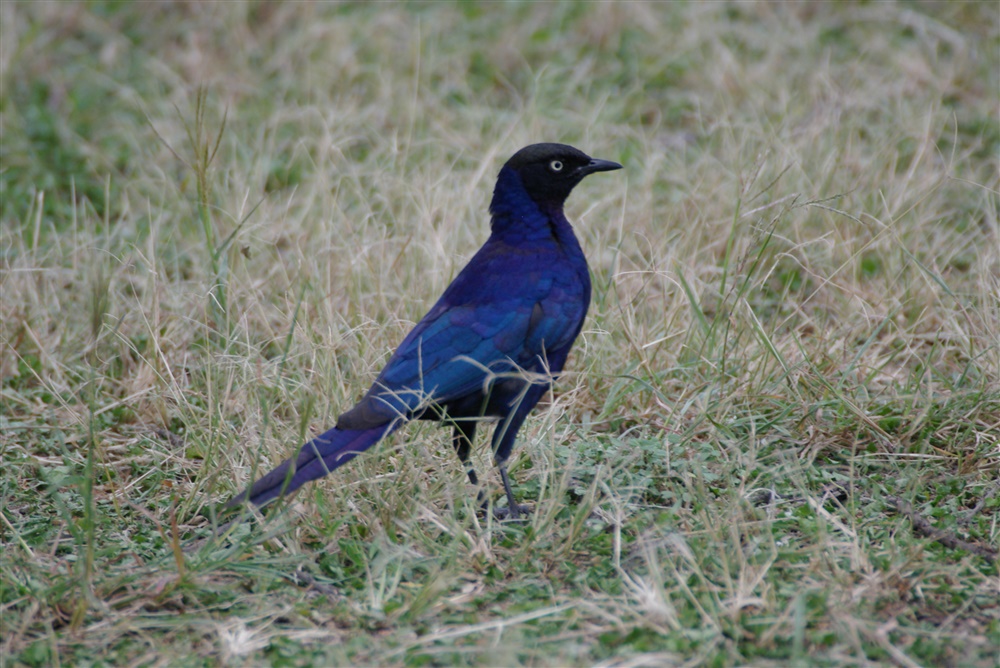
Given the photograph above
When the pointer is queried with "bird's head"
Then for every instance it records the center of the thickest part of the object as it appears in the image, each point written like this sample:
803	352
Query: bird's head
548	173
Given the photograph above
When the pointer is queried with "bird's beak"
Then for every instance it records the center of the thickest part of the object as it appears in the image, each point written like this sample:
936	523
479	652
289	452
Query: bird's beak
596	165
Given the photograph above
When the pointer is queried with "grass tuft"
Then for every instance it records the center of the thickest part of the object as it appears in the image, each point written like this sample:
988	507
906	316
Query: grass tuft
777	439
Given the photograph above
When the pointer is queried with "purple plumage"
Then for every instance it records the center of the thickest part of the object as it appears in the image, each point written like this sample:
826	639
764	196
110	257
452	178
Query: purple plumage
493	343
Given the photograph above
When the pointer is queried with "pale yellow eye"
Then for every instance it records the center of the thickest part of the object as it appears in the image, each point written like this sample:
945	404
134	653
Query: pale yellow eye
556	166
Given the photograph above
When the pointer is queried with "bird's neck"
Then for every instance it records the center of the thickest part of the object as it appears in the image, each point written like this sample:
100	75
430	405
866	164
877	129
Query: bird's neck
516	218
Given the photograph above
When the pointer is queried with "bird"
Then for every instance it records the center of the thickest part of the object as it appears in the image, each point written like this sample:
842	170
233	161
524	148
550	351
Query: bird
490	347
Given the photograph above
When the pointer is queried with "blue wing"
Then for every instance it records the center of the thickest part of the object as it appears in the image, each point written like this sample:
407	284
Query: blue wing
488	322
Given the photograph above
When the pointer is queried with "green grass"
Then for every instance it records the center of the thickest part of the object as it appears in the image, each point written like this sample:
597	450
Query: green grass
795	319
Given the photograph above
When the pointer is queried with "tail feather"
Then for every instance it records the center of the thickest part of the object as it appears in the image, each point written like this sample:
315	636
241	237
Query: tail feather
318	457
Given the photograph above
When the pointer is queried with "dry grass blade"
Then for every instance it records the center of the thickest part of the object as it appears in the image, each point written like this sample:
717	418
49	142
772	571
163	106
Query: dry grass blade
776	442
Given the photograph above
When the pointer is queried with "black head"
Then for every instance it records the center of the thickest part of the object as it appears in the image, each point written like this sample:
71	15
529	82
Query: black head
549	172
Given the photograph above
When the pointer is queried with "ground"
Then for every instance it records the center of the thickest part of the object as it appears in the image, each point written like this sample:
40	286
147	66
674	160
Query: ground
777	441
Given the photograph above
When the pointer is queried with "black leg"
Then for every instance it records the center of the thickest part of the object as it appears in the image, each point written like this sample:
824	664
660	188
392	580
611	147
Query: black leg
462	437
512	511
503	443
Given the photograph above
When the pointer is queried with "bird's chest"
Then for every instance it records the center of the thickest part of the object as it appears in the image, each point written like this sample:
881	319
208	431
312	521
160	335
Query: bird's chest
547	277
549	295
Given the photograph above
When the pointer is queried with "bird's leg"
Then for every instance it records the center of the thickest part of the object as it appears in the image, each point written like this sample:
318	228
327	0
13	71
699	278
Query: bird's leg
512	511
461	438
503	443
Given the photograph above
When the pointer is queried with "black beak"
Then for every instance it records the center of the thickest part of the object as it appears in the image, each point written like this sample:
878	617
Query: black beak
596	165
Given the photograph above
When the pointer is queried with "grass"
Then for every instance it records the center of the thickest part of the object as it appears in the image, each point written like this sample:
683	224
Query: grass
219	218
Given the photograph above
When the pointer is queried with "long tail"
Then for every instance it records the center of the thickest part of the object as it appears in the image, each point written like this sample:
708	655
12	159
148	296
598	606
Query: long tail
318	457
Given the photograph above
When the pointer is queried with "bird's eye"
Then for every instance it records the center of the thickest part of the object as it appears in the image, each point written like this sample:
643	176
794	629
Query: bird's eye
556	166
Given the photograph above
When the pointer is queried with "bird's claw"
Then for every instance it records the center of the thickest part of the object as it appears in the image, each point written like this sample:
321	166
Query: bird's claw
515	512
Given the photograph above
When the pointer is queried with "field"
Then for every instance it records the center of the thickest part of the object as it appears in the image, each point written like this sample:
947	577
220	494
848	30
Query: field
777	440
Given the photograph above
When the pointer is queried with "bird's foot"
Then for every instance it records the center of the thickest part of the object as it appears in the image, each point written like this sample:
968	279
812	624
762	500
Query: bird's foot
514	512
